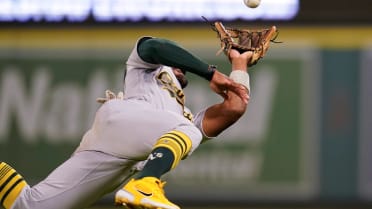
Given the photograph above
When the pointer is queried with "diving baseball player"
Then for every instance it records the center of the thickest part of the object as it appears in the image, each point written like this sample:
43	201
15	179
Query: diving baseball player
151	123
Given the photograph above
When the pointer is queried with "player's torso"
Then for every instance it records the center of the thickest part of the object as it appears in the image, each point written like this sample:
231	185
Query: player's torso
159	88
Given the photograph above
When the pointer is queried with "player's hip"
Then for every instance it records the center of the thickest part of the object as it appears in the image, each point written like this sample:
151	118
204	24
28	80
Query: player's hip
132	131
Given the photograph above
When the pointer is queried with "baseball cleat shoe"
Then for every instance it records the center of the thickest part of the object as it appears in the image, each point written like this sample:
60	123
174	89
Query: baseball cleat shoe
146	192
127	206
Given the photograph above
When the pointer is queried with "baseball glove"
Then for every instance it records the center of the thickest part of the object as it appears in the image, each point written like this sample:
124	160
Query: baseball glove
257	41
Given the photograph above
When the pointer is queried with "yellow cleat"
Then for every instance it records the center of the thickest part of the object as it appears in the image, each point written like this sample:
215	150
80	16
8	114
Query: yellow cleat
146	192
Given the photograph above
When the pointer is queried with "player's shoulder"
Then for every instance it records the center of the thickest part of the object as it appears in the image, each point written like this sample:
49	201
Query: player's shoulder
142	39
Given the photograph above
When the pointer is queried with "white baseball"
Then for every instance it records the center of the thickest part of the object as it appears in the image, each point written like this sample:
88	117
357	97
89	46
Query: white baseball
252	3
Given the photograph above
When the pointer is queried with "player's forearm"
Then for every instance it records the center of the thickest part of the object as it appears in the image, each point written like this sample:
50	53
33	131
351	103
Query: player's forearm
219	117
166	52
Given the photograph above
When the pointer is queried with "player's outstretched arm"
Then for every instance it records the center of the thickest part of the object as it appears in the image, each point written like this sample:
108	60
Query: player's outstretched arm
169	53
166	52
219	117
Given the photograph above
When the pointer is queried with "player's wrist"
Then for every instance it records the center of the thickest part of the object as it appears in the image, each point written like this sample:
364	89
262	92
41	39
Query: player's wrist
210	72
241	77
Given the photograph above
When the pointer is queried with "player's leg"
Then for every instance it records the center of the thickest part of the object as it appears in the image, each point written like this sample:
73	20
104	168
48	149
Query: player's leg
77	183
11	185
147	188
138	132
166	154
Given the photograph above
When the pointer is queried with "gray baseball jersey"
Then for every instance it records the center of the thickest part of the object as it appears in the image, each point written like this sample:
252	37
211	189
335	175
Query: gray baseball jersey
123	133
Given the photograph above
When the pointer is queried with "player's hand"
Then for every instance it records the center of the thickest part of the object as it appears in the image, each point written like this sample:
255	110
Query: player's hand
240	59
221	84
110	95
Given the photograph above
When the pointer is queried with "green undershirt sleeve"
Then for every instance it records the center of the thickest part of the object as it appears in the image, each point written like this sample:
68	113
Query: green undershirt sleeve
166	52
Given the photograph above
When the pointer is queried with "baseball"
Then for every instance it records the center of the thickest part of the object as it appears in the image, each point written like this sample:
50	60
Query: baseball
252	3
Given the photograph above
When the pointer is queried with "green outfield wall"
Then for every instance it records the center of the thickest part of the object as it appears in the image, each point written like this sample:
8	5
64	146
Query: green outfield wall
305	137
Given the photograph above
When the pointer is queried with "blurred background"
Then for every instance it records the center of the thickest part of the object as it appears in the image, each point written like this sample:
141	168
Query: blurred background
305	141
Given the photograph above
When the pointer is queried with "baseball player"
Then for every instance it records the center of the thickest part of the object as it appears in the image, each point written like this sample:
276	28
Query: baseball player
150	124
